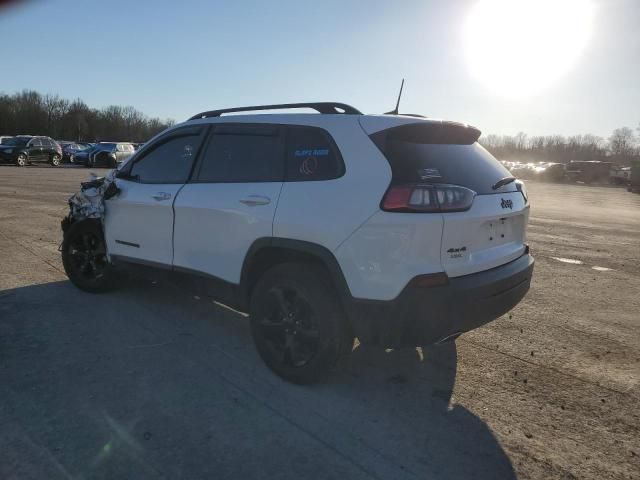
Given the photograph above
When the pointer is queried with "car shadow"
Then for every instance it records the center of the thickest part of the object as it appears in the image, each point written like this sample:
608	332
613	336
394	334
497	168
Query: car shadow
152	381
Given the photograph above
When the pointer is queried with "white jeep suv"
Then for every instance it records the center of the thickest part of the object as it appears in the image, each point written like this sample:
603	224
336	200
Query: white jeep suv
398	230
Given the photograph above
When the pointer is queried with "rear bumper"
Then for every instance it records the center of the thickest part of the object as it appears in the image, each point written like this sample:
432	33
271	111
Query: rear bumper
422	316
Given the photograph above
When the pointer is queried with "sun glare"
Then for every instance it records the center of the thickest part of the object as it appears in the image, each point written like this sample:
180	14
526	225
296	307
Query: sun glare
518	47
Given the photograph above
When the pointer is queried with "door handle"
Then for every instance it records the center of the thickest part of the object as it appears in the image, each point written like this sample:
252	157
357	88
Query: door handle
255	200
160	196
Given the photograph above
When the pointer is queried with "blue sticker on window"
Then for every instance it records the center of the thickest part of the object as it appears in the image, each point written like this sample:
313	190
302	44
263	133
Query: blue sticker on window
320	152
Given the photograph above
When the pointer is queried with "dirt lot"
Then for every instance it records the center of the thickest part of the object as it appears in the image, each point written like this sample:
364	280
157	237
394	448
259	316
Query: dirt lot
150	382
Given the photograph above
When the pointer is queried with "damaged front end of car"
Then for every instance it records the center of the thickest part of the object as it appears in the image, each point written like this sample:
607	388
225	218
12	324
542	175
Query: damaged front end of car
89	201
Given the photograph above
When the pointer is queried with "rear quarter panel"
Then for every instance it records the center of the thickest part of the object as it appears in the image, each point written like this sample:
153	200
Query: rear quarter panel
385	253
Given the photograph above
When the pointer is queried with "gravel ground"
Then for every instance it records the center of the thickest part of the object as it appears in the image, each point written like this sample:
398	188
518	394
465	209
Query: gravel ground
150	382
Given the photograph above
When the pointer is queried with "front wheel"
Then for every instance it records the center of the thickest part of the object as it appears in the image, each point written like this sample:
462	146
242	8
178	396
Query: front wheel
84	257
55	160
22	160
297	323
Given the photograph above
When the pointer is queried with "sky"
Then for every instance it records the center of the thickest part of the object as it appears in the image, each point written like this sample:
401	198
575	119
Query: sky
174	59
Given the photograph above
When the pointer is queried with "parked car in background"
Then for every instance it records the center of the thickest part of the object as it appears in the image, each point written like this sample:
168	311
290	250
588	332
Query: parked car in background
550	172
82	157
4	138
105	154
70	149
25	149
620	175
522	170
588	171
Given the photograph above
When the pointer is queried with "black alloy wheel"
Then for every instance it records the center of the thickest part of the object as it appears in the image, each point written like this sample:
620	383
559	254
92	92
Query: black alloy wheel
290	327
88	256
297	322
84	257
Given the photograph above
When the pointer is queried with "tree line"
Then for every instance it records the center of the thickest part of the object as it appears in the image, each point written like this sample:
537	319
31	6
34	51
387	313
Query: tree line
31	113
621	147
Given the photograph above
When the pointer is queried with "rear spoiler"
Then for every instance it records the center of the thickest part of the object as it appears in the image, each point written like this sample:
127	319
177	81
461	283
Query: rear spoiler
452	133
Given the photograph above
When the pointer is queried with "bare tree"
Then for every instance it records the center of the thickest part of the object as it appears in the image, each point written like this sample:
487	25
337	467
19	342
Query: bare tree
622	143
551	148
55	108
521	141
29	112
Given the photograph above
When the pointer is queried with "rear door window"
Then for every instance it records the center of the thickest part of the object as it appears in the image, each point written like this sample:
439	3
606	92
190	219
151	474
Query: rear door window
441	153
242	154
311	155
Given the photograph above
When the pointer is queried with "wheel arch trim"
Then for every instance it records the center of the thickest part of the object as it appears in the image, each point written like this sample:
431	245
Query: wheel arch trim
319	252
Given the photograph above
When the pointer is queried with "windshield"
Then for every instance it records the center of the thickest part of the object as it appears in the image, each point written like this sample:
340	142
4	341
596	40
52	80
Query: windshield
16	141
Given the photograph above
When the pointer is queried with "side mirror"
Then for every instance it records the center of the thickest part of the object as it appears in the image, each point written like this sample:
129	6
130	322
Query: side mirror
123	175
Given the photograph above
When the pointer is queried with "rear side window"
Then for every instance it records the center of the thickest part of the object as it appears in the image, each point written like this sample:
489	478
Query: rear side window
441	153
311	155
242	154
170	159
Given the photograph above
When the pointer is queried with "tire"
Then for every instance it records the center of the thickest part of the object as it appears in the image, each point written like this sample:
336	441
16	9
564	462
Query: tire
297	323
56	160
84	257
22	160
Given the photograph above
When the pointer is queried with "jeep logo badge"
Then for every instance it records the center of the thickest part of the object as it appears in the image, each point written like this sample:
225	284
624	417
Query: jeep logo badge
506	204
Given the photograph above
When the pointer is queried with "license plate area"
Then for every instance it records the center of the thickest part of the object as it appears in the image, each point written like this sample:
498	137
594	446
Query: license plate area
498	231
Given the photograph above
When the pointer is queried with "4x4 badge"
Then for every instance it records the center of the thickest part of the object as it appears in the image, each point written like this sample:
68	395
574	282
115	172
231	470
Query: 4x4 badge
506	204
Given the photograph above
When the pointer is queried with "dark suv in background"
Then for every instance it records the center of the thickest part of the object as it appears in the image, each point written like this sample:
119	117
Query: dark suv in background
25	149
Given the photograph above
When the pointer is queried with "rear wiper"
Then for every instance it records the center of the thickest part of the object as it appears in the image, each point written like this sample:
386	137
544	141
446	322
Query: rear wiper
503	181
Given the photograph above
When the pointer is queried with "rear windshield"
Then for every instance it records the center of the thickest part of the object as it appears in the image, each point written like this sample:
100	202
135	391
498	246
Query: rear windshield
441	154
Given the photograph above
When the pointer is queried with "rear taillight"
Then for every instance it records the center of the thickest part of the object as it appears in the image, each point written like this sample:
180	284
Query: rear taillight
425	198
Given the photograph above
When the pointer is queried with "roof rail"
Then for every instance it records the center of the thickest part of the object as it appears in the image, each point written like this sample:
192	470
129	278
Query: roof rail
320	107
